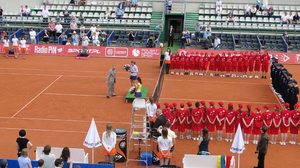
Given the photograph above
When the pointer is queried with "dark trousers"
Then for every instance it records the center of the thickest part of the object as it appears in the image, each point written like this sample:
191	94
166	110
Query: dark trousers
261	160
167	68
170	41
45	20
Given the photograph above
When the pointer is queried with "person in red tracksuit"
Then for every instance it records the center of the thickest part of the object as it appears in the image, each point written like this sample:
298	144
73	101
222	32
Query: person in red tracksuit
285	119
228	66
251	64
257	124
247	123
295	123
234	66
267	118
240	66
173	65
206	64
217	62
181	64
186	65
181	121
222	66
204	120
238	117
246	65
197	115
188	115
265	65
229	122
166	108
172	118
197	62
200	65
192	65
212	65
211	119
257	65
220	120
276	122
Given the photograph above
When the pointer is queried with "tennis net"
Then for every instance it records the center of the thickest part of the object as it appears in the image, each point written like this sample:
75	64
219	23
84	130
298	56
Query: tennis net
159	84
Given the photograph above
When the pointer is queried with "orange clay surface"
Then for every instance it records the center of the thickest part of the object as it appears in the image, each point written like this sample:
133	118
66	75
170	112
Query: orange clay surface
54	98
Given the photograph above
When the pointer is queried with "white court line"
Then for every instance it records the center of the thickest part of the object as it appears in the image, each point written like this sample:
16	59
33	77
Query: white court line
64	120
79	95
64	70
44	130
36	96
187	99
76	76
213	82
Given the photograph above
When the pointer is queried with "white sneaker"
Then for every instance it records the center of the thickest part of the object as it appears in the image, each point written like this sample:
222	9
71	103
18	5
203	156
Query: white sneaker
211	138
253	141
177	73
172	73
226	140
211	74
201	74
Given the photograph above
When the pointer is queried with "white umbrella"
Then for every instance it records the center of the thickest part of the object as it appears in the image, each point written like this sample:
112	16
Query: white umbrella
238	145
92	139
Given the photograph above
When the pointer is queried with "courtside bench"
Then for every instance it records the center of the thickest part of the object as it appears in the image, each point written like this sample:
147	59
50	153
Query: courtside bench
130	96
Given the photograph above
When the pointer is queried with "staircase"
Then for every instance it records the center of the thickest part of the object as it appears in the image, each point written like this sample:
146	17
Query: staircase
155	19
190	21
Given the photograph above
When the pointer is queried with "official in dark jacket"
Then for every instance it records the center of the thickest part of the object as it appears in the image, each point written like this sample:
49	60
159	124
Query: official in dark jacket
262	148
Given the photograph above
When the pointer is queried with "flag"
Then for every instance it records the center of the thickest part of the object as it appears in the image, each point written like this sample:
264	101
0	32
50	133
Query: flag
238	145
92	139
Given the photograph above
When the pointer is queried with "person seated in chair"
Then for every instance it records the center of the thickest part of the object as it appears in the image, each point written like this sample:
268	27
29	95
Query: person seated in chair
150	41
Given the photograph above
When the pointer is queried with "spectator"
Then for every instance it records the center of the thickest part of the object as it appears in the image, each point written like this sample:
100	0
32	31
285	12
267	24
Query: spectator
46	36
164	146
45	14
64	38
66	15
151	111
270	12
65	156
81	31
134	3
247	10
51	27
1	15
73	25
48	157
72	2
258	5
217	43
188	37
23	142
41	163
284	18
85	41
68	42
95	39
230	17
27	10
131	38
75	39
58	19
3	163
207	34
109	143
208	28
98	28
81	18
183	40
59	163
58	29
151	41
290	18
120	10
3	34
218	7
22	11
169	6
197	30
32	36
45	2
81	2
203	143
295	18
253	11
23	160
93	28
103	37
286	37
107	13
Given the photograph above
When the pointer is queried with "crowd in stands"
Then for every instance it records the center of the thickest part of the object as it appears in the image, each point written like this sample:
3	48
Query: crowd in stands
238	64
283	84
187	120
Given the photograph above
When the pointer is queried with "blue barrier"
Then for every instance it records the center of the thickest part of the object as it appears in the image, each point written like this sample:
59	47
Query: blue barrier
18	33
110	37
233	42
39	36
285	44
259	43
14	164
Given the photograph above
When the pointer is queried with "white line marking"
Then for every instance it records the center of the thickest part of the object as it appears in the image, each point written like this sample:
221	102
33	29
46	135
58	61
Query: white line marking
44	130
187	99
36	96
80	95
64	120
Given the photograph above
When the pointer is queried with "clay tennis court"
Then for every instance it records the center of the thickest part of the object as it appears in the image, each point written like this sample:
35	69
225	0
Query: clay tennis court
54	98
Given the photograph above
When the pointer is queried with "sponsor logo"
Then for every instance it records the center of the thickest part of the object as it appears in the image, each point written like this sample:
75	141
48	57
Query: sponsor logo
116	52
136	52
47	49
